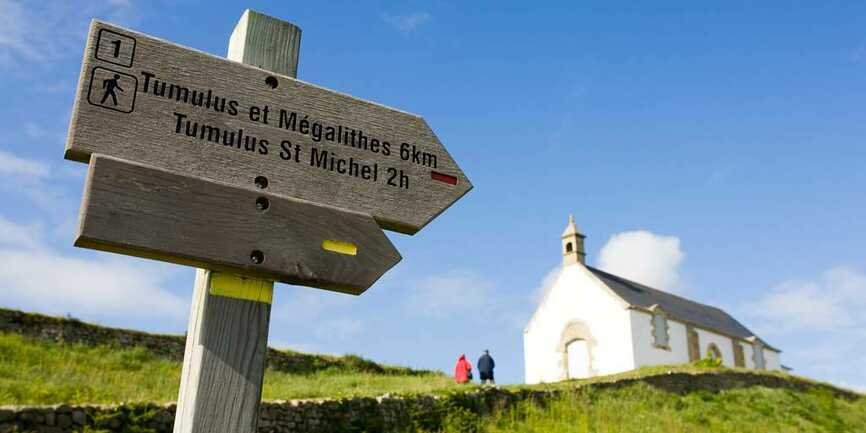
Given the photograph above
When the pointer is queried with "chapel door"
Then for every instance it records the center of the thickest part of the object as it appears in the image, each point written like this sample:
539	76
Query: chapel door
578	359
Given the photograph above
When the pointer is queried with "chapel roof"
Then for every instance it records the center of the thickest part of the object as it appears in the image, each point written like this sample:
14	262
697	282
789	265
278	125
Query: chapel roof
675	307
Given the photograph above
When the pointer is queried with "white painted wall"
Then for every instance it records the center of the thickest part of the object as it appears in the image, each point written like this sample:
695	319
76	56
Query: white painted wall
772	359
578	295
722	342
645	353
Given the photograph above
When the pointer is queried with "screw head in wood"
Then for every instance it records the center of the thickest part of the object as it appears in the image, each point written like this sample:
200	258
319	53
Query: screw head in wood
257	257
262	203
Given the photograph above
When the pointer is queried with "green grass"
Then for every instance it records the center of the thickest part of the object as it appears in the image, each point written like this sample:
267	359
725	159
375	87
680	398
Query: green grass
38	372
661	370
35	372
282	386
642	408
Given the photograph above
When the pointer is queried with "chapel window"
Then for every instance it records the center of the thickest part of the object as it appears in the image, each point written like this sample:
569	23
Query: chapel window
758	355
568	247
713	352
661	336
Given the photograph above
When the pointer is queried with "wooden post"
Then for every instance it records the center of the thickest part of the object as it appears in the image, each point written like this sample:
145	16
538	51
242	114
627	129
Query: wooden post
227	337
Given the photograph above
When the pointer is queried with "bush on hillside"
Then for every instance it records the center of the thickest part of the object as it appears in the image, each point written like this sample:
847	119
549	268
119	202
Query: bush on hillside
708	362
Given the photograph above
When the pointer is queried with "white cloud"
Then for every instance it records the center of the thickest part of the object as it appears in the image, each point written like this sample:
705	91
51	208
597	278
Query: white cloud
45	185
51	30
546	284
19	236
43	279
11	165
453	292
836	301
819	323
14	23
407	23
644	257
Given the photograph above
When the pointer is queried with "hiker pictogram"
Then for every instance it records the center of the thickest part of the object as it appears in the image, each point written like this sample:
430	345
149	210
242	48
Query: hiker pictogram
112	89
109	86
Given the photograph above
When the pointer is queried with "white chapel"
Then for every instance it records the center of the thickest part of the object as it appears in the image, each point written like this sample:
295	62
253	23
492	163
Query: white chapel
593	323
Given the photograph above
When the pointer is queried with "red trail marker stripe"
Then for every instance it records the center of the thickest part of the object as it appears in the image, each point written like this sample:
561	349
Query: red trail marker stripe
442	177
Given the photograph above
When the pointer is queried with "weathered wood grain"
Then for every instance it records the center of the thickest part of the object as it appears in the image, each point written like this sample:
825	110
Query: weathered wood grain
146	212
224	361
223	365
405	190
260	40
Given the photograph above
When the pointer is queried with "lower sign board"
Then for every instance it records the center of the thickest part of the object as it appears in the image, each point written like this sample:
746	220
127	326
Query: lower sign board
146	100
139	210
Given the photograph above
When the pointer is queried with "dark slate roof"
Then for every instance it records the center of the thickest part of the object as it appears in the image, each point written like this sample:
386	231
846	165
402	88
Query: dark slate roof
675	307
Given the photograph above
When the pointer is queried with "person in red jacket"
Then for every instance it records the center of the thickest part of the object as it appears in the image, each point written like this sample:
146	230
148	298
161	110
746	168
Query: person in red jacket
463	370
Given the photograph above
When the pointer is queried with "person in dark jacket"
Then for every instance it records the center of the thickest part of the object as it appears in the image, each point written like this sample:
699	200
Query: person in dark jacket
485	368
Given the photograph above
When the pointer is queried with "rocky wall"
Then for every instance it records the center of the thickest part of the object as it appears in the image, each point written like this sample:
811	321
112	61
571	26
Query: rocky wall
386	414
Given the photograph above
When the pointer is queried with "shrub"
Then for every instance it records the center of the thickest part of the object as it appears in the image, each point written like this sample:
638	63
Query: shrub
708	362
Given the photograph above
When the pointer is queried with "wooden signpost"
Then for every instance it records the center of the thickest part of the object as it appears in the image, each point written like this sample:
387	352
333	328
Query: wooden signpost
182	110
243	170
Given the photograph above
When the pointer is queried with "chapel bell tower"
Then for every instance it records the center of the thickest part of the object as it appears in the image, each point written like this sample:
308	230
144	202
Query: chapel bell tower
572	244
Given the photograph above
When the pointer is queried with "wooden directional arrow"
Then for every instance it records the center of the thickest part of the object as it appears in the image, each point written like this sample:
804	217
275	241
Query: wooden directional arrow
150	101
143	211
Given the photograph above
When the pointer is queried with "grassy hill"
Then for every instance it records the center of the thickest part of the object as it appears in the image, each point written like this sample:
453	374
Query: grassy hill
171	347
45	372
40	368
642	407
53	360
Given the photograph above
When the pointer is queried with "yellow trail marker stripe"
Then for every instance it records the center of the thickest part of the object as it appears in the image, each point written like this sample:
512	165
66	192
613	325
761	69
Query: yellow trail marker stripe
233	286
346	248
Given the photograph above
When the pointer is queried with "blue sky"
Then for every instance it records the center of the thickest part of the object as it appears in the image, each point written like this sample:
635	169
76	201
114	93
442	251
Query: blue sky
715	151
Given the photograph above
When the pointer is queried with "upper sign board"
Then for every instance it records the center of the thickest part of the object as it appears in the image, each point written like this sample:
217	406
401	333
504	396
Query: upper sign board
157	103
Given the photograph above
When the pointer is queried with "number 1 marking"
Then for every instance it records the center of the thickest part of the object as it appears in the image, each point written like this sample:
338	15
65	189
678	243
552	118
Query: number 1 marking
116	47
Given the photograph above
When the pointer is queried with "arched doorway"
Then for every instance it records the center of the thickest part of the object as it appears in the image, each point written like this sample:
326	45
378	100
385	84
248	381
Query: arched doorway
576	346
577	353
714	353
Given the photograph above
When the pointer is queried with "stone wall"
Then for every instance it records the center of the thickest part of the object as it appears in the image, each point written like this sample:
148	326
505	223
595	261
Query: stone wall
397	414
69	330
382	414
